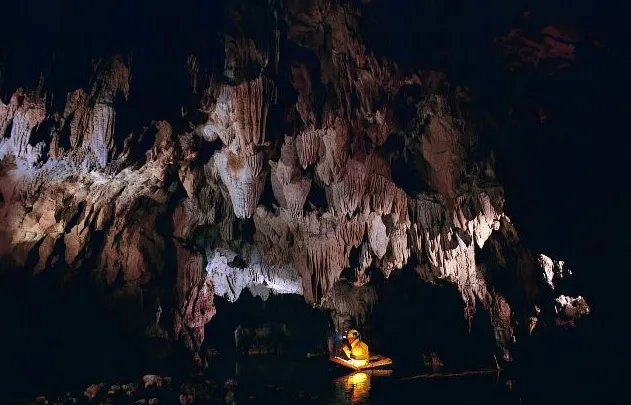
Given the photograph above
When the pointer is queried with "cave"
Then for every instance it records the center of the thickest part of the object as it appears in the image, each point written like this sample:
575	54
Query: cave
189	186
285	323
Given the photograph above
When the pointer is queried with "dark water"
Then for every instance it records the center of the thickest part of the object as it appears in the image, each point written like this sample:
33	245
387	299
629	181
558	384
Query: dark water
283	380
264	380
314	381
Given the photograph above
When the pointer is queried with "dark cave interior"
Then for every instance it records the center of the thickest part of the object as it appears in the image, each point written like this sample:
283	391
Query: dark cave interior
564	179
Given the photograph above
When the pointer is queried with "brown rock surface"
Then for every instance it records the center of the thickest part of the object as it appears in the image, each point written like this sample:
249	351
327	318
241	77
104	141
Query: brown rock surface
158	210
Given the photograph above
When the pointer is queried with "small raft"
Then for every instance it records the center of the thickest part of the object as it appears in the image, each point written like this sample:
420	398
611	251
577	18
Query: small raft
375	362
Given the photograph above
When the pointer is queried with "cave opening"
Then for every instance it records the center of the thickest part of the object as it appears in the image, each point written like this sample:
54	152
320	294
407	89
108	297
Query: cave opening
414	319
280	324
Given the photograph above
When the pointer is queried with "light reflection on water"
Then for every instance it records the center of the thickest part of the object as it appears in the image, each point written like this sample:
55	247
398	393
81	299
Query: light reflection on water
281	381
356	386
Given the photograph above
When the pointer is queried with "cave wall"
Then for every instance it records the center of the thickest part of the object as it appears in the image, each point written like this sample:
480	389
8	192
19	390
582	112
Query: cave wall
277	154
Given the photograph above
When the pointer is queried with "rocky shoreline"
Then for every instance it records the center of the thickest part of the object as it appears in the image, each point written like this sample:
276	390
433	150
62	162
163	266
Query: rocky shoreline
154	389
150	389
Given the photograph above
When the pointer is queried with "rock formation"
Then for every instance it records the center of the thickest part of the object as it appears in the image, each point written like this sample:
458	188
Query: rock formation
276	174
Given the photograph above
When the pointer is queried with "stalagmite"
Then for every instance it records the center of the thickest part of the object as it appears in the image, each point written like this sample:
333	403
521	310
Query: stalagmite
24	116
7	111
102	136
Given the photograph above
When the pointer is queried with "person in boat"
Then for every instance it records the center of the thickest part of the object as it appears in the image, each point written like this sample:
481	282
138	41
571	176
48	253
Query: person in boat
355	349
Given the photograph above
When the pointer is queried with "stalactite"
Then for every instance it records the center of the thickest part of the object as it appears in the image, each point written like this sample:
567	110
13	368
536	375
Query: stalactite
289	185
348	301
398	250
321	249
351	231
376	165
452	259
487	220
416	239
365	257
336	153
377	235
244	179
245	58
241	163
476	214
399	210
308	146
246	106
346	195
272	237
428	211
380	192
87	195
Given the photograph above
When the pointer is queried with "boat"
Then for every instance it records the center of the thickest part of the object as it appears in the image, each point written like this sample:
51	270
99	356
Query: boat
374	362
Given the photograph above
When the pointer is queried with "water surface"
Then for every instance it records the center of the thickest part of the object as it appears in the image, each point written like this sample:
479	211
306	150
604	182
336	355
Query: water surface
278	380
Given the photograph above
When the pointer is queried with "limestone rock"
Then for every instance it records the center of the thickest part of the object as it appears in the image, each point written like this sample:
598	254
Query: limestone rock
274	171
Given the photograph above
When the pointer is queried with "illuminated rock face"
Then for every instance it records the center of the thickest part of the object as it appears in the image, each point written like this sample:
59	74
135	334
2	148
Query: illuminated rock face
260	190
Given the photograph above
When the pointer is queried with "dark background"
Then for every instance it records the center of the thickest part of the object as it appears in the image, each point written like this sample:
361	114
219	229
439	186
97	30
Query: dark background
566	180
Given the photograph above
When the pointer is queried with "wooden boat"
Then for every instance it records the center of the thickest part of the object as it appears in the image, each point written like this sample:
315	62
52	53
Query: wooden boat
374	362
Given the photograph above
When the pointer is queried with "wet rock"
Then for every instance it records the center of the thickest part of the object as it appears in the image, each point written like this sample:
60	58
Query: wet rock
151	380
432	361
130	388
92	391
186	399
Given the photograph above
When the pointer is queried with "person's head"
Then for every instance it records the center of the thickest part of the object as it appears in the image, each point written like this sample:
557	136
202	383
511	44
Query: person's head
352	335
